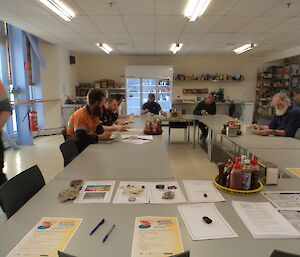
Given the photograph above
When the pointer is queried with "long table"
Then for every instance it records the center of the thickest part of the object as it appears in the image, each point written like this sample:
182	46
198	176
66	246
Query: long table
120	160
45	204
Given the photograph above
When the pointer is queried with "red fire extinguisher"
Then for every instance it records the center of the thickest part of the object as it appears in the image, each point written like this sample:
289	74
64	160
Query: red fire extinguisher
33	120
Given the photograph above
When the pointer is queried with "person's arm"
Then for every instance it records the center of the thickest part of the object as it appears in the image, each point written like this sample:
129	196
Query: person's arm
144	109
291	127
198	109
4	116
114	128
162	112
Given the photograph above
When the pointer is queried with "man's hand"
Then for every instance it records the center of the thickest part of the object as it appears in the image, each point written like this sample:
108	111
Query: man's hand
126	127
120	127
265	132
203	112
105	135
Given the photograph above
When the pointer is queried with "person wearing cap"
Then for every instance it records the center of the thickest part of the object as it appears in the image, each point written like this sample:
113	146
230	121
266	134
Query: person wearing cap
151	106
5	112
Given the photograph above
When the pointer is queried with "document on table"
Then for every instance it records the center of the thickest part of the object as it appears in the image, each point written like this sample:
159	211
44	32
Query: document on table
295	171
47	237
192	216
145	137
202	191
138	190
284	200
263	221
157	194
293	217
95	192
156	237
134	130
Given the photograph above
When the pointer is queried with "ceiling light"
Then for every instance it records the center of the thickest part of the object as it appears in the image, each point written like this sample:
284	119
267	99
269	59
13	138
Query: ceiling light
175	47
244	48
105	47
60	9
195	8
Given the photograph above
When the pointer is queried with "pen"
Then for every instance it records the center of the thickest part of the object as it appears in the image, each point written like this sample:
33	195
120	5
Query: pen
108	233
99	224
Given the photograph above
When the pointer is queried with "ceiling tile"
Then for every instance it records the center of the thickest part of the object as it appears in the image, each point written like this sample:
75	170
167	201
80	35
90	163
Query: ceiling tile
291	26
162	49
142	37
23	24
73	38
24	7
5	12
215	38
241	38
136	7
118	37
191	37
98	7
144	48
166	37
127	49
202	24
109	23
51	38
281	9
170	7
262	24
232	24
220	7
82	24
251	8
94	37
170	23
48	23
140	23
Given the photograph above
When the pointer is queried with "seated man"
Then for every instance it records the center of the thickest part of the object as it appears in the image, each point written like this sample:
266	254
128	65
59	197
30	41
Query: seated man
120	99
84	124
110	115
152	106
207	106
286	120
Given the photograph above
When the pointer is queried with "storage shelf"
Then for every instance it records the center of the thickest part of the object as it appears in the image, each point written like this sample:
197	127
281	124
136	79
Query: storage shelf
208	80
115	88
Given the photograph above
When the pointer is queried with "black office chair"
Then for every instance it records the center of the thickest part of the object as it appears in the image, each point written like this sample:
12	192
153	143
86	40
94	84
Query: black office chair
184	254
277	253
64	133
17	191
180	125
297	135
62	254
69	150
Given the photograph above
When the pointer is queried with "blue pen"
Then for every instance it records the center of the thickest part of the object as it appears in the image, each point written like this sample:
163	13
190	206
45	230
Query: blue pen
99	224
108	233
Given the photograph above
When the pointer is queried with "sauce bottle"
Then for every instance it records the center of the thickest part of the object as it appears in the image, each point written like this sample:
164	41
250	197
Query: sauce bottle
236	176
254	173
246	175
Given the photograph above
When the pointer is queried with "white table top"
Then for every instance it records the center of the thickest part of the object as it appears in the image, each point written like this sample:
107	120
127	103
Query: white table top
45	204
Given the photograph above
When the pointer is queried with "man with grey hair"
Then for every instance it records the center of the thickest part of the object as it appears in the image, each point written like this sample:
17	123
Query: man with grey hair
286	120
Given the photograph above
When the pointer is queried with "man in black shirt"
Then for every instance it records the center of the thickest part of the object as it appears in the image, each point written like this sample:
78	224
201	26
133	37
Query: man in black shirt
152	106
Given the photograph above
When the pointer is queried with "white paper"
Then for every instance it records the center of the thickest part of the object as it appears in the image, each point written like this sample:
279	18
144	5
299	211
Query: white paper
293	217
196	189
146	137
284	200
134	130
264	221
95	192
156	194
192	216
136	141
122	197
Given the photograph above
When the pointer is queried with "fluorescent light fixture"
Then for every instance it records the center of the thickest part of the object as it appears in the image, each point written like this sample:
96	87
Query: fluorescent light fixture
195	8
60	9
105	47
175	47
244	48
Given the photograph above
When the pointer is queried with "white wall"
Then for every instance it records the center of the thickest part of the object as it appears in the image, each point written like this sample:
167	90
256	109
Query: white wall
57	80
95	67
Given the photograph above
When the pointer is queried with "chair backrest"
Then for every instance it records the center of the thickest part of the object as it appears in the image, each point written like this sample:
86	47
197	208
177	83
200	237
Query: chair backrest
297	135
184	254
64	133
69	150
17	191
62	254
277	253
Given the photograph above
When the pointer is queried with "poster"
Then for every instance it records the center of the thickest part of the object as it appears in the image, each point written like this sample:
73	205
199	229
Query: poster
47	237
156	237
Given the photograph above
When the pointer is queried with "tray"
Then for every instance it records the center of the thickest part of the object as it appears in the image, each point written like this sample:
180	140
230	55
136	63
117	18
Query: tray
235	191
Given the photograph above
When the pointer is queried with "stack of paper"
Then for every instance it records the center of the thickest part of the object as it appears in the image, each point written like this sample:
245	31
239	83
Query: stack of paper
202	191
156	194
95	192
192	216
136	139
293	217
284	200
264	221
123	192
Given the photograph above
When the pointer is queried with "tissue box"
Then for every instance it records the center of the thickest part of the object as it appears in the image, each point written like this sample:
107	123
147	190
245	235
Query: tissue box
268	173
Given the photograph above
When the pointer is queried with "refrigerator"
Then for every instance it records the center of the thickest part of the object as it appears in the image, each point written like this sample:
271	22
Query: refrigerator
141	80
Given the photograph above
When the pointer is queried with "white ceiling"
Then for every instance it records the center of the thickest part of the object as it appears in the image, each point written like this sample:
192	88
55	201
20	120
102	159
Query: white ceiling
139	27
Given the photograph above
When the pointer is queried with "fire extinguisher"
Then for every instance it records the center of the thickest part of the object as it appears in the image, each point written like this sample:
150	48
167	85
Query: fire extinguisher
33	120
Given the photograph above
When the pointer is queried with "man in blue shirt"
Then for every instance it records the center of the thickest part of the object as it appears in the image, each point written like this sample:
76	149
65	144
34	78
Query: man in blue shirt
286	120
152	106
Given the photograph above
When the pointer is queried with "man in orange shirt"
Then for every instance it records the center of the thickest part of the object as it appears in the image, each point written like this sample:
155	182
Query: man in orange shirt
5	112
84	124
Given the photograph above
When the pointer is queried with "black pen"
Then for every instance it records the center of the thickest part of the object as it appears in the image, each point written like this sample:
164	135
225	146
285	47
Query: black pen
100	223
108	233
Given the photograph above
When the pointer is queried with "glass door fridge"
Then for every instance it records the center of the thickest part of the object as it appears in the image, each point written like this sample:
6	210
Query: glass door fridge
164	94
133	93
148	87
